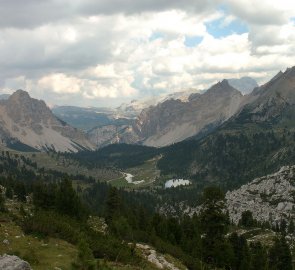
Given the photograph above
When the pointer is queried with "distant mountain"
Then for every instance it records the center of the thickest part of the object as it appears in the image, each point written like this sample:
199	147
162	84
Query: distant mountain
27	122
4	96
245	84
173	120
135	107
256	141
176	118
88	118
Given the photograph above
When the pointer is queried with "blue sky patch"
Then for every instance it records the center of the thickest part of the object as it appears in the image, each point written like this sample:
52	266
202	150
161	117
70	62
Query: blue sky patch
218	30
156	35
192	41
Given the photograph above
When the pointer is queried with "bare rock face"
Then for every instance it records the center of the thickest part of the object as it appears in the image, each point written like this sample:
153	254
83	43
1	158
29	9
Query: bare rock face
173	120
269	102
111	134
29	121
269	198
11	262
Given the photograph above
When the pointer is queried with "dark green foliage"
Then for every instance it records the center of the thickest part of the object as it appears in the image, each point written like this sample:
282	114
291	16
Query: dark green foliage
85	259
116	155
2	203
258	257
60	197
247	220
280	256
68	202
49	223
291	227
113	205
216	250
241	252
230	156
9	193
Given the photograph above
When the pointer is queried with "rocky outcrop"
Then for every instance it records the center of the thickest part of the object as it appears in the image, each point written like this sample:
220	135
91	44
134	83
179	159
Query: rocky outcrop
174	120
269	198
30	122
111	134
11	262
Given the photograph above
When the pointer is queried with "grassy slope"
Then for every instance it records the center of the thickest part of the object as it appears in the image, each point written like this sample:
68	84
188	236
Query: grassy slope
147	172
39	253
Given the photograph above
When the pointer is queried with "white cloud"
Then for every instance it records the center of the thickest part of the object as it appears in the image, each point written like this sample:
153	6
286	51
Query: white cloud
60	83
98	52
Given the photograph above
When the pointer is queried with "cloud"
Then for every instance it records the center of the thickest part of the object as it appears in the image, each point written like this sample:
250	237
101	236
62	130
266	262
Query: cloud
104	52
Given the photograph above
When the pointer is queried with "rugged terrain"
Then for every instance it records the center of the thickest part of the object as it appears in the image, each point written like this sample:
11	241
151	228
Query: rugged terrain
270	198
25	121
174	120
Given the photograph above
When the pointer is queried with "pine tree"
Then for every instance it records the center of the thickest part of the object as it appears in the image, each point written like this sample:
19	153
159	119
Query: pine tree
2	203
241	252
258	257
216	249
291	227
112	205
85	259
280	255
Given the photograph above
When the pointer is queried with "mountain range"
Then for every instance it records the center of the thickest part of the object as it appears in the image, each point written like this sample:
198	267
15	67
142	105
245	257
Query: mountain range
171	119
174	118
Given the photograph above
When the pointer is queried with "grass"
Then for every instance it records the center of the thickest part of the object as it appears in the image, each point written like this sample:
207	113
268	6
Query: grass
147	172
42	254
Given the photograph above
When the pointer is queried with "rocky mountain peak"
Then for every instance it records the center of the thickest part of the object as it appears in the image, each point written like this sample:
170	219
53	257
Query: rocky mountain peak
22	108
32	123
221	88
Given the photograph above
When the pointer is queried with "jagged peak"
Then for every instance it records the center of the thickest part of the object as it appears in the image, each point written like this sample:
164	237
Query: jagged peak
290	72
222	87
20	94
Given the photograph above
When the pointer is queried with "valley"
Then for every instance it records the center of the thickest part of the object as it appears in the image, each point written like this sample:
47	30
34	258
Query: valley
131	205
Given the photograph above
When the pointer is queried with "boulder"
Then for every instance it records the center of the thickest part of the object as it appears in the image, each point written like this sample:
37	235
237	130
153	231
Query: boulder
11	262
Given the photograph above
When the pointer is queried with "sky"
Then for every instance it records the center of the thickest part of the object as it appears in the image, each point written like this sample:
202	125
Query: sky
106	52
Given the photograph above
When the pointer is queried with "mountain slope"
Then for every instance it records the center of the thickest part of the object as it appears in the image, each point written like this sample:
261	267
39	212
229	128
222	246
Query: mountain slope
256	141
30	122
245	84
174	121
269	198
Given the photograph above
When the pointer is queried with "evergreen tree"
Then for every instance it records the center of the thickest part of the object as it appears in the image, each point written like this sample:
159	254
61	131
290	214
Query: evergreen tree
112	205
2	203
216	249
241	252
247	219
85	259
280	255
68	202
258	257
291	227
9	192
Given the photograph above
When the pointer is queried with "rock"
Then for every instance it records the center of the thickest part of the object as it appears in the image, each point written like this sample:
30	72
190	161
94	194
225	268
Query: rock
269	198
6	242
11	262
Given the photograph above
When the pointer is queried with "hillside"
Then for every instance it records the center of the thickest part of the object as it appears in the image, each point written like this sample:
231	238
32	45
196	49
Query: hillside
28	123
256	141
269	198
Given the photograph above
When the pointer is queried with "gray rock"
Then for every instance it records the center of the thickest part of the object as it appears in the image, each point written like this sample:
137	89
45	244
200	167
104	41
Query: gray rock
269	198
6	242
11	262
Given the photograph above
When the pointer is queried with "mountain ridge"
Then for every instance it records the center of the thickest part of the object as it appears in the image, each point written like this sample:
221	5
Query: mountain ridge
29	121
